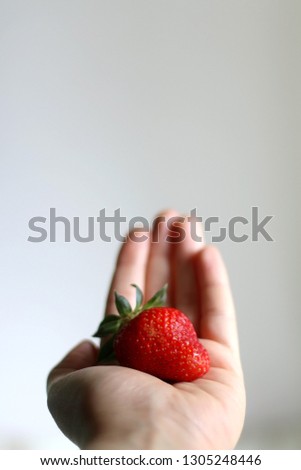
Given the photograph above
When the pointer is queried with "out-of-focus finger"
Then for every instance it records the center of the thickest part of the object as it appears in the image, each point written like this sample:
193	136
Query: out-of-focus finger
217	318
130	269
185	287
159	263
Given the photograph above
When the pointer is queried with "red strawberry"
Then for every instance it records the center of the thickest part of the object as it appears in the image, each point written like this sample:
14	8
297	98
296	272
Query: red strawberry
160	341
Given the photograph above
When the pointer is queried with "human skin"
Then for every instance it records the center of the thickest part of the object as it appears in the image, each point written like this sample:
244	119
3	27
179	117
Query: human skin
113	407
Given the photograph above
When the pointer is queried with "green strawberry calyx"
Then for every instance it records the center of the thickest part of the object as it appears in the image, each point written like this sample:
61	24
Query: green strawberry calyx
112	324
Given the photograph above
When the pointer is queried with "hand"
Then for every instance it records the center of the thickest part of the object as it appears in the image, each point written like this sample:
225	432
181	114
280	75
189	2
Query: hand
113	407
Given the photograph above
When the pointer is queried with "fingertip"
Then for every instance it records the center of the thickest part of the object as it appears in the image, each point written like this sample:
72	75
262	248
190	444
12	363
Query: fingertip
166	214
209	254
162	224
82	355
85	349
212	266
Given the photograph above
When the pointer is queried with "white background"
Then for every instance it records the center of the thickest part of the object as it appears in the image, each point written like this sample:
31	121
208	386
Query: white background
142	105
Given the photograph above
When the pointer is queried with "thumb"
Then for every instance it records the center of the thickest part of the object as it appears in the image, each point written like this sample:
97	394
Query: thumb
81	356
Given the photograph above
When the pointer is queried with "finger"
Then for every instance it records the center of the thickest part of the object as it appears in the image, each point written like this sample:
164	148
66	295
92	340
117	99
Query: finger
183	252
81	356
159	268
130	269
217	320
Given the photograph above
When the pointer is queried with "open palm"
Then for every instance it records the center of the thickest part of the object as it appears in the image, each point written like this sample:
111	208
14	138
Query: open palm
110	407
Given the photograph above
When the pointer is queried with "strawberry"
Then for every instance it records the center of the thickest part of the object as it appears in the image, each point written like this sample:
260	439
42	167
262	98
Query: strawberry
158	340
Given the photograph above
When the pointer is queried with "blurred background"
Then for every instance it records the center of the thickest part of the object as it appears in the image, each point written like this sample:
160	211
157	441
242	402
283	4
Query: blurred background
144	105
